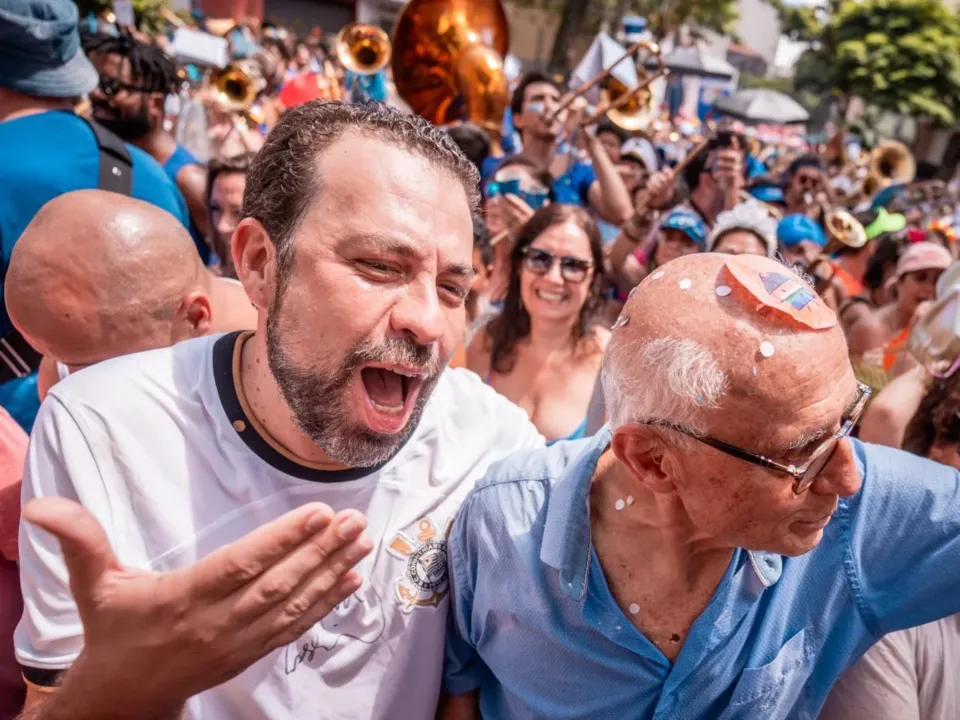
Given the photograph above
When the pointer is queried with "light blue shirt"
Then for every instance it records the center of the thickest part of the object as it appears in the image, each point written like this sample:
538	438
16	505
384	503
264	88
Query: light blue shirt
535	628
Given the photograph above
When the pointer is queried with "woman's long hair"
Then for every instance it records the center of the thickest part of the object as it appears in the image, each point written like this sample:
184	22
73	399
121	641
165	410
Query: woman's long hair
513	324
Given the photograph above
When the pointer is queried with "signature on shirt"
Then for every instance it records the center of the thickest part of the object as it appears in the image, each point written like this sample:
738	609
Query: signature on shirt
360	618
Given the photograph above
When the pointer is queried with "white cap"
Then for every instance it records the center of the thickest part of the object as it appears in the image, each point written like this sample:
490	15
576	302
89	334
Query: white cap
642	150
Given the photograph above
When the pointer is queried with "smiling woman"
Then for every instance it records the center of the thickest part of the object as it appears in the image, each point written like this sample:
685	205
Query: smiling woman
544	351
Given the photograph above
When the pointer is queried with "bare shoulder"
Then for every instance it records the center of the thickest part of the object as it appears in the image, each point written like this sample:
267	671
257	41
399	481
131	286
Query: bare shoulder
867	333
601	336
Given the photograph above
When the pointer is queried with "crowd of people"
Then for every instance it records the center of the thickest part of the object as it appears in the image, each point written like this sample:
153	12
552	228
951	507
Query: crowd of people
315	408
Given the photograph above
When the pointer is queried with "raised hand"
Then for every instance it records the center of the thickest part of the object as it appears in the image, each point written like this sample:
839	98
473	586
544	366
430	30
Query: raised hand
153	639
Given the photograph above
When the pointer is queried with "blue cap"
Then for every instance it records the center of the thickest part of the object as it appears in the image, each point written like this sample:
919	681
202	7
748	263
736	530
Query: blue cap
794	229
688	223
40	52
767	193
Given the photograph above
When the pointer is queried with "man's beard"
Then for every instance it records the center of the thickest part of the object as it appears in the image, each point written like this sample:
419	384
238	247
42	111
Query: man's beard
317	396
126	125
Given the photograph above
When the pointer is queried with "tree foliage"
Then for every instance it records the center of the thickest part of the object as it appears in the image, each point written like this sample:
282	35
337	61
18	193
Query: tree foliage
898	55
665	18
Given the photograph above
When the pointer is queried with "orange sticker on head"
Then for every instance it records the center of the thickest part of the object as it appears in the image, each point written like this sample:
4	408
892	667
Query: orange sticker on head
779	289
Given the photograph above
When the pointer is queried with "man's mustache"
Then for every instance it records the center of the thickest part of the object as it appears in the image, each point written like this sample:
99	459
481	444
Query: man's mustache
399	351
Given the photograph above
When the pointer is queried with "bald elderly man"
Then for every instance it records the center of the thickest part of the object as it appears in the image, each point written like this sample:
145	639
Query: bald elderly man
96	275
722	549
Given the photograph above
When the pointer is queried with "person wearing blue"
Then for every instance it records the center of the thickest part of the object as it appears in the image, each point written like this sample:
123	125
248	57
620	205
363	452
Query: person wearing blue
367	87
135	81
767	190
801	239
597	185
48	151
723	549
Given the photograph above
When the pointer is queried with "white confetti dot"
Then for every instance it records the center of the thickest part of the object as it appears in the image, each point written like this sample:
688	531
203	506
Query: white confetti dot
618	627
634	608
629	499
685	284
621	504
754	371
657	275
767	349
723	290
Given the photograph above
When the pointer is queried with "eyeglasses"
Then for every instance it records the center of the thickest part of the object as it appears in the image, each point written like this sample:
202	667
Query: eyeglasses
110	86
804	475
540	262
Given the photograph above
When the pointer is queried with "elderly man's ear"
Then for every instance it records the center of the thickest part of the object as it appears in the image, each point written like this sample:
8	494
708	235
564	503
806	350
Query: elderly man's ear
195	315
642	451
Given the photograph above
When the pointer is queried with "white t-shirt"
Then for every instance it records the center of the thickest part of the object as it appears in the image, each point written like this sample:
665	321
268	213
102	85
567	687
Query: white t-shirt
163	451
911	674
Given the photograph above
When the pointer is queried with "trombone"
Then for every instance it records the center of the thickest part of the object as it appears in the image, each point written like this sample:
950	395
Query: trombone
611	104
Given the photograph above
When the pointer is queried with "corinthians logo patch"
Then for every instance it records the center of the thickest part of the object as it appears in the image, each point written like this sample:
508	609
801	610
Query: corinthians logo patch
424	580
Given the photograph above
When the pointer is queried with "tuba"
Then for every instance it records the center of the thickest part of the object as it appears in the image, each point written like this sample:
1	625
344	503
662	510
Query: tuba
448	61
363	49
891	163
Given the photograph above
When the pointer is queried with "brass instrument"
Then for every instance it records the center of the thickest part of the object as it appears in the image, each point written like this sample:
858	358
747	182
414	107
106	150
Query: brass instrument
891	163
236	86
448	61
621	105
363	49
934	341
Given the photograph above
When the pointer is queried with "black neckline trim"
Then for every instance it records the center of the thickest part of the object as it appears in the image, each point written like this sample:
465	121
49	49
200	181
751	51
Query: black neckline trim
223	354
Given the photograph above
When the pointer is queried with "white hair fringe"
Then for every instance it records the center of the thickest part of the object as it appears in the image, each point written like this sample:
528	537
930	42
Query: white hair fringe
666	380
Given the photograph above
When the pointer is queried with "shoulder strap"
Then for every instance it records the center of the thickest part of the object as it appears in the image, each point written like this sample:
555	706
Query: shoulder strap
116	165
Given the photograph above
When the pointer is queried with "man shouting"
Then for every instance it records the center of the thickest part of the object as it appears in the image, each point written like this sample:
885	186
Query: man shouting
234	476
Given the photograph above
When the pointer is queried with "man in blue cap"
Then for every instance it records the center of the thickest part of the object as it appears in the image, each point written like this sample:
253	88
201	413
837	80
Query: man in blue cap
801	239
48	151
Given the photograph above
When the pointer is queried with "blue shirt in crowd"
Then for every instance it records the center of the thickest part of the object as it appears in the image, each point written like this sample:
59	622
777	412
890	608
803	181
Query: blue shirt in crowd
45	155
537	631
175	163
571	188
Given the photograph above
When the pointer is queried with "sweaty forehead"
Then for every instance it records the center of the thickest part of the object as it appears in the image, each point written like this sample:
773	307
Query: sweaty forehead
370	187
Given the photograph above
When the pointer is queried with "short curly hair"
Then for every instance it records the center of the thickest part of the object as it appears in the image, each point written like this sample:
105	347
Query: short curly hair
937	420
283	179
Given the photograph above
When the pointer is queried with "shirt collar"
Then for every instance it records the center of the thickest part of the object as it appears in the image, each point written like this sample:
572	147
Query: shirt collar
566	534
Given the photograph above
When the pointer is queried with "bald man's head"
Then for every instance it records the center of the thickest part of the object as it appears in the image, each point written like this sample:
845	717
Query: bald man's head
97	274
738	350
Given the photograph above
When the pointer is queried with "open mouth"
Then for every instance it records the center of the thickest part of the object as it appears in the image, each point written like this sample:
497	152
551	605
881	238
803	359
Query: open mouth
390	394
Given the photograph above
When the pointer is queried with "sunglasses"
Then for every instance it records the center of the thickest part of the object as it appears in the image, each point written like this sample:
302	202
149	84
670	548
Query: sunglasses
540	262
808	181
110	86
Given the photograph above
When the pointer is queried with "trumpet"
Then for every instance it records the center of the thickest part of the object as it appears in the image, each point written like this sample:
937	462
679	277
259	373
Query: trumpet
237	85
363	49
622	105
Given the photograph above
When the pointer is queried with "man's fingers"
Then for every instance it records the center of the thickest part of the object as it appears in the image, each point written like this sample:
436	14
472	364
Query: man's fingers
86	548
337	549
230	568
347	586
